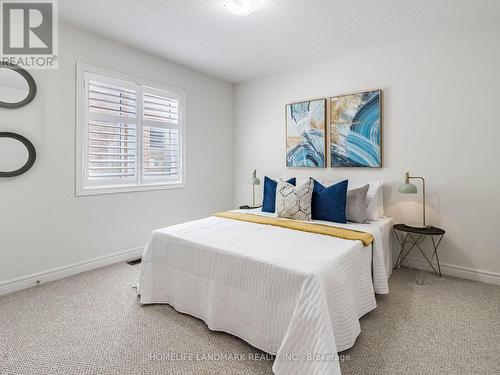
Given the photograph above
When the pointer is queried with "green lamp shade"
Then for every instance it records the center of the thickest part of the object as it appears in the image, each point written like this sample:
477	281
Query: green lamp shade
408	188
254	181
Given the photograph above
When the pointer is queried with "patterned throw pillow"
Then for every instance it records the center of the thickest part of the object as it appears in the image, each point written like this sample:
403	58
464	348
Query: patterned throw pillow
294	202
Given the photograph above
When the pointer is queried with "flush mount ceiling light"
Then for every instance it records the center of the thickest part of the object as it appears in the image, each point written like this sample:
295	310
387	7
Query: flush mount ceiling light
241	7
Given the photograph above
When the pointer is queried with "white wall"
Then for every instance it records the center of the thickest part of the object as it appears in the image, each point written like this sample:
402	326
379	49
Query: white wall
441	121
44	226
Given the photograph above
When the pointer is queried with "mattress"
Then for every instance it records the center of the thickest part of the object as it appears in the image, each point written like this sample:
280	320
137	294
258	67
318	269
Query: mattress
293	294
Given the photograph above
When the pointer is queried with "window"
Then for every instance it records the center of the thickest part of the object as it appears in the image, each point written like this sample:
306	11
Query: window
129	133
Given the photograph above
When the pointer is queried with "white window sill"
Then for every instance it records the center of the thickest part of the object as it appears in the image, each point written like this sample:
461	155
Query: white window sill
98	190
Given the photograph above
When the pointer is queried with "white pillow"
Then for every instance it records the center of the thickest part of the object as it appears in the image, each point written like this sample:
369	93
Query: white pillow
381	212
374	198
294	202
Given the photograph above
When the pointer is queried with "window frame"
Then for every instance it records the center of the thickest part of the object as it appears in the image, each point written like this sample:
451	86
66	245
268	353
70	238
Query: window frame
82	187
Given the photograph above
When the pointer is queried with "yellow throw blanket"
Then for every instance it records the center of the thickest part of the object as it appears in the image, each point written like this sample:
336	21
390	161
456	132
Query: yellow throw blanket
346	234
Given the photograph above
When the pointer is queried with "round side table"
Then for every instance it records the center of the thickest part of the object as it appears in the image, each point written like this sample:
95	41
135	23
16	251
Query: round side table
415	237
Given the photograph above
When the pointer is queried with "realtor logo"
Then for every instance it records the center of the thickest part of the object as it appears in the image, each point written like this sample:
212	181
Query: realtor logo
29	33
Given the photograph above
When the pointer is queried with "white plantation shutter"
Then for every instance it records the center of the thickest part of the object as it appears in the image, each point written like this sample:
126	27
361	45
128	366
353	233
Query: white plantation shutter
161	146
111	151
130	134
111	131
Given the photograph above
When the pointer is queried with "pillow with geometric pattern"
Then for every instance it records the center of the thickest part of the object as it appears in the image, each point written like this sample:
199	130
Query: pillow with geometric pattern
294	202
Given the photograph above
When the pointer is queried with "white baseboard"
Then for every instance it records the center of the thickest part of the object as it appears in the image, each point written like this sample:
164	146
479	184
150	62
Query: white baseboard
24	282
29	281
458	271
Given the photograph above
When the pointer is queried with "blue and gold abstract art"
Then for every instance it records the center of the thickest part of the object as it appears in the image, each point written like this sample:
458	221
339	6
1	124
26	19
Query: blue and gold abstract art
305	134
355	130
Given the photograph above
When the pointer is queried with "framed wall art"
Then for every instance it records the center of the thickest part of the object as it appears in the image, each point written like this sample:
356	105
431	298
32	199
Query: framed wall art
305	134
356	130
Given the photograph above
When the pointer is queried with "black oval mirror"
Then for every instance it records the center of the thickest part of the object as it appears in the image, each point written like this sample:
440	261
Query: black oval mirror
17	86
31	154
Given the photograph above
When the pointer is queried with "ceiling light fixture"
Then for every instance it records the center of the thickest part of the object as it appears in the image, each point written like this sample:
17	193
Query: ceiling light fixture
241	7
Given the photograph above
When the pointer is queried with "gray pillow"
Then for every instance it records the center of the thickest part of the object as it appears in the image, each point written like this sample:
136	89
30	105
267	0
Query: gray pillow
294	202
356	204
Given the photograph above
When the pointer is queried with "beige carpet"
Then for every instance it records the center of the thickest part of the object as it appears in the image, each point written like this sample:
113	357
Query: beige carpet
93	324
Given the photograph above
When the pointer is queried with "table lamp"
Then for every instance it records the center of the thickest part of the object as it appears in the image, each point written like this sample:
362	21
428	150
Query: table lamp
408	188
254	180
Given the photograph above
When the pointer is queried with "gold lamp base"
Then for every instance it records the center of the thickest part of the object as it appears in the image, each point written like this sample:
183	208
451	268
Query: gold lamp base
408	188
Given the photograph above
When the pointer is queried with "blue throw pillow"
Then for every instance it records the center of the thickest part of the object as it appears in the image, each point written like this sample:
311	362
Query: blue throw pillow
269	199
328	203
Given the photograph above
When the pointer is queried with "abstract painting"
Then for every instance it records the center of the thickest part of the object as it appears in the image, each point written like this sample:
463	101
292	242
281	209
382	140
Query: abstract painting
305	134
355	130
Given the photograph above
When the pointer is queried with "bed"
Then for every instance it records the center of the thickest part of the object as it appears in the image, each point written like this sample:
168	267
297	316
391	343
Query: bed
293	294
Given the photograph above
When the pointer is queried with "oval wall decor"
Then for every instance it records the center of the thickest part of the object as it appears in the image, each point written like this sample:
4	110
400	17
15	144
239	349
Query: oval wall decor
17	86
31	154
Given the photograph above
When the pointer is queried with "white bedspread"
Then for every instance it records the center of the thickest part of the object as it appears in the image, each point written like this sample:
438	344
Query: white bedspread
294	294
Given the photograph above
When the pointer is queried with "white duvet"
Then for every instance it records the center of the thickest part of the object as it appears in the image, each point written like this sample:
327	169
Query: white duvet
293	294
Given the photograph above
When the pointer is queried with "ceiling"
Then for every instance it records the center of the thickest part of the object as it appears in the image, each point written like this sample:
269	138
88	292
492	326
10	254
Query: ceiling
283	34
